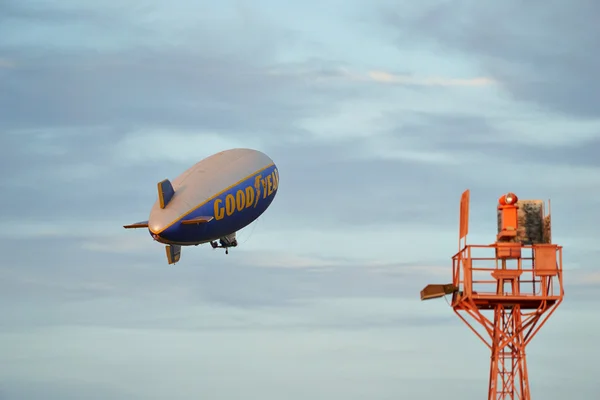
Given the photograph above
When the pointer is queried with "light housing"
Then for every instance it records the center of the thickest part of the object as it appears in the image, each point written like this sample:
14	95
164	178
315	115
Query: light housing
508	199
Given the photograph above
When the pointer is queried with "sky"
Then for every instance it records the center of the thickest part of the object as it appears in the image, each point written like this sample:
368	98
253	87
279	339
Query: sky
378	114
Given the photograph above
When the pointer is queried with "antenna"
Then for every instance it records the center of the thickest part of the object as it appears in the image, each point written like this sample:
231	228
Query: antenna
523	258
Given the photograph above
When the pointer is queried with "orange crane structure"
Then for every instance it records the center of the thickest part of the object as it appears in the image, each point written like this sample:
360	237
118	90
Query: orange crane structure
508	289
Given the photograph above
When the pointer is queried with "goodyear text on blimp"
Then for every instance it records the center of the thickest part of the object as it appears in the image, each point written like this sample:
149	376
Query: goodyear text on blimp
264	186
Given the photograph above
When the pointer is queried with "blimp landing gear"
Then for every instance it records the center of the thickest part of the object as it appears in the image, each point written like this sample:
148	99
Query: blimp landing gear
225	243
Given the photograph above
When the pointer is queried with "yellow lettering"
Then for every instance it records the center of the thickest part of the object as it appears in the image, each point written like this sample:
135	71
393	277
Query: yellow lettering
275	180
240	200
264	185
270	184
249	196
219	209
229	204
257	180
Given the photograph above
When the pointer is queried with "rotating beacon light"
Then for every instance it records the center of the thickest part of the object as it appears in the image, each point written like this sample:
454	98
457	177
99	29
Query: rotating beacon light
508	216
508	199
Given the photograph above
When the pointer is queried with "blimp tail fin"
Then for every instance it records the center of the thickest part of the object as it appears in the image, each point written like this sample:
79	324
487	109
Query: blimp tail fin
173	253
165	192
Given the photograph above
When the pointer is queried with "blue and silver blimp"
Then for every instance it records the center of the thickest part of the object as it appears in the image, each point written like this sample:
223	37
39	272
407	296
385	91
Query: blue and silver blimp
212	200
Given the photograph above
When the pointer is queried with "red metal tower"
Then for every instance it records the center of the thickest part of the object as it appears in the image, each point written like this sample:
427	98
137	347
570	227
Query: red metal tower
518	279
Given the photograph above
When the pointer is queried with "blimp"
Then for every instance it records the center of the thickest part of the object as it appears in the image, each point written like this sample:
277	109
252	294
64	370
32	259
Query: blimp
211	201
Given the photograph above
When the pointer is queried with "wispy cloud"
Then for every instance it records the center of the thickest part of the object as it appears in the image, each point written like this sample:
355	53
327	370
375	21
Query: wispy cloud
329	73
390	78
560	78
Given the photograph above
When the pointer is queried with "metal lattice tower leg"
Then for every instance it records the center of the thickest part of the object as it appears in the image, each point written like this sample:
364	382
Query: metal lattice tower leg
508	369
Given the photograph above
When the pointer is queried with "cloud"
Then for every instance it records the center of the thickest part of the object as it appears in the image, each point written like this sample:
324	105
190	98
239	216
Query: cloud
119	89
385	77
515	45
329	72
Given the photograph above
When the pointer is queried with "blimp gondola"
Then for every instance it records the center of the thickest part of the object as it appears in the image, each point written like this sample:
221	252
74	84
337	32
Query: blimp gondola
211	201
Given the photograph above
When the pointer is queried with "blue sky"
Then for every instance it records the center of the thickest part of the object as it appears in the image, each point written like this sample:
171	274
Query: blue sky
378	114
